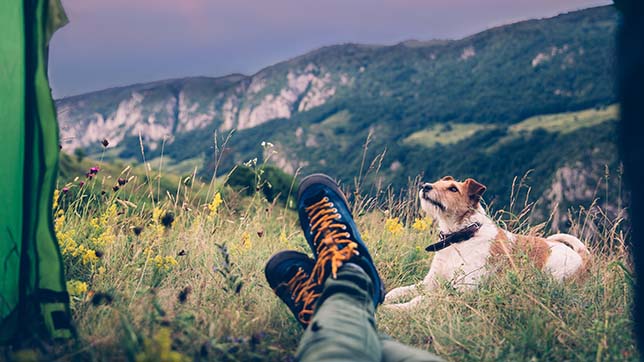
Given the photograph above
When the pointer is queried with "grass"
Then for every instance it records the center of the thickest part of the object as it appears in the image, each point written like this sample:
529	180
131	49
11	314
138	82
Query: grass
185	167
445	134
335	127
180	277
562	123
339	119
568	122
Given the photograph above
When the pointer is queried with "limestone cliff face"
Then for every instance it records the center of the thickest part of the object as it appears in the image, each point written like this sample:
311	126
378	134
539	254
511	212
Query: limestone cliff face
571	185
158	111
586	185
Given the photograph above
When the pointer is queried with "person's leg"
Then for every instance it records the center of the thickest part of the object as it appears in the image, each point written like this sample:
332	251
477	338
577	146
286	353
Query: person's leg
340	288
343	327
338	315
394	351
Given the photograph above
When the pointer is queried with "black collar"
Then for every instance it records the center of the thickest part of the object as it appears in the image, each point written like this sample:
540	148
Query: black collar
446	240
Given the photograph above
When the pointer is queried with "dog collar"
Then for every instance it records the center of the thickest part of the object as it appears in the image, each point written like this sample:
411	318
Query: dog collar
446	240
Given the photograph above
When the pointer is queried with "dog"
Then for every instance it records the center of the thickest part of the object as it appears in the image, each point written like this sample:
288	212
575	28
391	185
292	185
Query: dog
470	240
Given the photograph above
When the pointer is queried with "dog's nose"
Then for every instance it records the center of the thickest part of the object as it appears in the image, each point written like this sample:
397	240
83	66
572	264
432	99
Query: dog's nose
426	187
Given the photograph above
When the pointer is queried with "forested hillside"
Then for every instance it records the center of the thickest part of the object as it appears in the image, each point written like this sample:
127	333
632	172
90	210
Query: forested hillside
463	107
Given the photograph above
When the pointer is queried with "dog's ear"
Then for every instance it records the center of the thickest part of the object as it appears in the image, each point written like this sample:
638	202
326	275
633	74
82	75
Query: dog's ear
474	189
447	178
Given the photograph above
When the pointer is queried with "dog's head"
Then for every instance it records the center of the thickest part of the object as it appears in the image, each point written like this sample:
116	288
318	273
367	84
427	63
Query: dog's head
450	201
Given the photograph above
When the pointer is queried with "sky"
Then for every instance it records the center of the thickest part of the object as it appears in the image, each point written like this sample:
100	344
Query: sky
120	42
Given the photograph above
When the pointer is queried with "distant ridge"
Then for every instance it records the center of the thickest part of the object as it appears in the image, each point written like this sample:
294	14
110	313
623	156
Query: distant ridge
318	108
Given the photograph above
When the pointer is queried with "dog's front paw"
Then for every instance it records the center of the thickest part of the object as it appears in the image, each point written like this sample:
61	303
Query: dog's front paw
403	306
395	294
389	298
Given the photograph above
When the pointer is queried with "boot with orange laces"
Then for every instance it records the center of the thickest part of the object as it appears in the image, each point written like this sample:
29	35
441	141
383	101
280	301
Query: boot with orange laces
334	296
331	232
288	274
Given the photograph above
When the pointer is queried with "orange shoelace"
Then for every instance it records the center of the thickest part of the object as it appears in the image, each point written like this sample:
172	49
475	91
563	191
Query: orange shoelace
332	245
331	239
303	290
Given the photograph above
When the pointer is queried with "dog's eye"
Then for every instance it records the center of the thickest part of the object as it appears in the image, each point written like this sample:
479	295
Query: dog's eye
453	189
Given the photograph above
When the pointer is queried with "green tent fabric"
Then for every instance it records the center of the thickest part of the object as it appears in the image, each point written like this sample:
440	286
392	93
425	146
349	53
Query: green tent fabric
34	304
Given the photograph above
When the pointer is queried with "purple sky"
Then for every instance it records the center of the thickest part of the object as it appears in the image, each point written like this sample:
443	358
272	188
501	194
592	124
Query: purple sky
118	42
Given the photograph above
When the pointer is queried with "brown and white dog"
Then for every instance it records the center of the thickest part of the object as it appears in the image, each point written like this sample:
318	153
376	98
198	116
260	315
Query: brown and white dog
470	239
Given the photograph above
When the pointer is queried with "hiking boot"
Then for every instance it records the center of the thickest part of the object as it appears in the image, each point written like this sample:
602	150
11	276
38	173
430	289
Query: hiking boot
288	274
331	232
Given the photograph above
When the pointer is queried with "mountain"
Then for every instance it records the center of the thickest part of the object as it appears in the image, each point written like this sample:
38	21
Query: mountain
534	95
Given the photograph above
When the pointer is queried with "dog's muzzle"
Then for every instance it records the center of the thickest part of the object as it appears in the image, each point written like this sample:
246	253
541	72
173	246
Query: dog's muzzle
424	190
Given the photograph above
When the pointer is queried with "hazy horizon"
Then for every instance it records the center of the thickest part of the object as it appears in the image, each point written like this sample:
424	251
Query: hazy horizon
157	40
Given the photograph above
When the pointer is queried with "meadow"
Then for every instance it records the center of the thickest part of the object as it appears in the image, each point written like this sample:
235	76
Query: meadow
171	269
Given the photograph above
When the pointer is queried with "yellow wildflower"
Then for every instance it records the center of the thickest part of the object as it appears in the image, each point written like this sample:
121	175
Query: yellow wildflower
103	228
243	245
164	262
158	230
105	238
422	224
58	224
394	226
94	223
195	226
366	237
283	238
158	260
89	256
76	287
156	214
54	204
245	240
79	250
108	217
67	244
159	348
214	205
65	240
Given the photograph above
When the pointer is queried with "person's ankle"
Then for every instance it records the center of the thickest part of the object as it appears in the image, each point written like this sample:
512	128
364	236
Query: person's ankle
357	274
